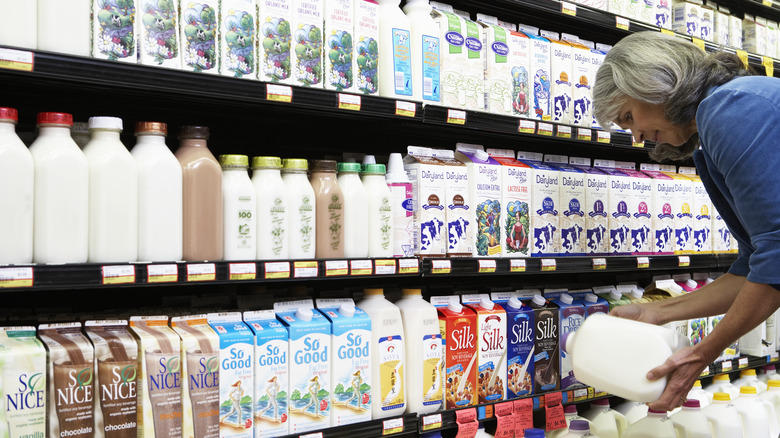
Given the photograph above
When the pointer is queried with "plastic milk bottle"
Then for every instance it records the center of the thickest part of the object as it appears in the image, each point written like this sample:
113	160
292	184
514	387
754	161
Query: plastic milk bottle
356	240
17	179
426	47
302	204
395	68
19	24
380	214
273	209
239	209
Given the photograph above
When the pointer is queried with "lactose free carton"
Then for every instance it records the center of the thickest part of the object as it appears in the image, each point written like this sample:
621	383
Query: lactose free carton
545	208
427	175
458	326
485	195
520	71
516	181
595	206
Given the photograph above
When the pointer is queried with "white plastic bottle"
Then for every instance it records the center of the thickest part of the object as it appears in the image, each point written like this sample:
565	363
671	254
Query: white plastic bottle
19	23
426	58
355	211
570	414
722	383
17	177
758	415
302	207
632	410
402	206
578	428
113	194
772	395
239	208
723	417
160	232
394	72
273	209
698	393
388	388
748	377
61	199
655	425
424	361
768	372
605	421
64	26
380	213
691	421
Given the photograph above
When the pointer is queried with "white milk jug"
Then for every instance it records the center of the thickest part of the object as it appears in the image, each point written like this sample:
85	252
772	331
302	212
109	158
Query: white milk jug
758	415
605	421
239	209
395	70
17	176
698	393
633	411
426	58
273	209
355	211
303	232
772	395
749	378
578	428
768	372
723	417
722	383
64	26
570	414
691	421
380	213
655	425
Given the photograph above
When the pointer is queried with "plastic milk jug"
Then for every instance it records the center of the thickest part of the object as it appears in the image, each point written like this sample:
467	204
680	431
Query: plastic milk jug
402	206
691	422
655	425
721	383
426	58
239	209
395	68
457	324
699	394
749	378
64	26
723	416
605	421
19	24
758	415
570	414
768	372
302	208
199	31
380	213
16	190
577	428
772	395
355	211
23	366
273	209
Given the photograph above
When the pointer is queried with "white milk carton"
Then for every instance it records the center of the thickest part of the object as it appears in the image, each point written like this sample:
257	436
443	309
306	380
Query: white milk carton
310	355
366	46
491	347
453	56
707	26
596	59
722	27
771	38
498	79
427	176
682	209
641	196
761	340
457	205
686	17
735	30
274	41
618	7
582	93
662	217
113	31
595	206
351	365
572	195
199	23
516	185
338	45
663	14
485	195
560	79
646	11
619	216
307	48
545	205
238	38
24	385
236	374
272	377
754	34
701	212
721	235
541	64
474	71
157	33
520	70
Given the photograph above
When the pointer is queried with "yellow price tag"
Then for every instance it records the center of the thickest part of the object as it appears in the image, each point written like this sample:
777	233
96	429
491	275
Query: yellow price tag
767	3
743	56
769	64
667	31
699	42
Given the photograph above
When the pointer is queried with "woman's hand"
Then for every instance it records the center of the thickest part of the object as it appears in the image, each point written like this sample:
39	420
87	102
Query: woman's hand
682	369
638	312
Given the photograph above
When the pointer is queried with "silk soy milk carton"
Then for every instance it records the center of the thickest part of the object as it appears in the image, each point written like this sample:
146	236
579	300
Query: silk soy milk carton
662	217
366	43
491	347
236	374
200	368
427	175
71	373
158	33
572	195
595	206
310	370
515	203
457	205
351	364
541	75
23	386
339	50
498	80
520	70
274	41
544	217
520	343
485	195
561	79
458	326
546	355
701	211
199	23
271	392
238	38
113	31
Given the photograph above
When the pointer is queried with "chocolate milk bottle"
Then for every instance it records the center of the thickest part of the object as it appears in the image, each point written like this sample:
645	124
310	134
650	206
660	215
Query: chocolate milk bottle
202	203
329	211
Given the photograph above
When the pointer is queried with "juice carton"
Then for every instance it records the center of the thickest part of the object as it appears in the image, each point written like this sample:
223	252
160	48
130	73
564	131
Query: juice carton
271	392
594	209
474	72
338	34
516	201
682	209
274	41
307	50
484	179
546	348
721	235
366	46
641	197
113	31
238	38
453	56
520	70
582	82
351	367
701	213
541	65
236	374
428	192
24	386
71	373
457	205
491	347
498	79
200	368
545	200
571	315
572	195
520	344
157	33
115	382
561	79
662	217
618	208
309	371
611	295
458	326
199	23
685	18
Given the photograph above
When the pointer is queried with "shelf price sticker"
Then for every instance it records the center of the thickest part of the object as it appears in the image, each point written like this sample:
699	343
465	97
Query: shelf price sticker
505	421
705	372
441	266
524	415
201	272
684	261
584	134
774	357
725	366
406	109
544	129
456	117
305	269
431	422
349	101
243	271
554	411
642	262
16	277
667	31
603	137
769	65
767	3
118	274
392	426
336	267
548	265
580	394
274	270
311	435
637	144
622	23
517	265
742	363
743	56
467	422
487	266
564	131
526	126
168	273
361	267
278	93
384	267
699	42
599	264
569	9
16	59
408	266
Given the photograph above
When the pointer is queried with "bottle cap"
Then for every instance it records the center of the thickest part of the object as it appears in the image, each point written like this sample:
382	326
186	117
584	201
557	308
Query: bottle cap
151	128
324	166
721	396
486	304
374	169
722	378
615	295
534	433
514	303
692	403
411	291
773	383
234	160
748	390
591	298
55	119
768	368
697	384
395	164
9	114
304	314
748	372
349	167
538	300
266	163
601	402
295	164
347	310
192	131
455	307
369	159
374	291
109	123
570	409
566	299
654	412
578	424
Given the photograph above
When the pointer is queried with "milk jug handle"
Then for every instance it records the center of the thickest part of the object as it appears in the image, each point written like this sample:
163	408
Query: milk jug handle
772	415
620	419
679	430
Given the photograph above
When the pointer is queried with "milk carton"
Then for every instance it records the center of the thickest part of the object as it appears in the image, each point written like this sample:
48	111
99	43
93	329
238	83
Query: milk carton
453	56
272	377
498	79
618	208
561	79
485	195
595	206
771	38
597	4
721	235
686	19
571	315
199	23
707	27
200	368
113	31
754	34
596	59
24	385
157	33
236	374
458	326
520	344
366	46
663	14
646	12
307	50
761	340
592	302
721	27
520	70
457	205
572	195
682	211
546	348
476	54
351	366
641	196
491	347
516	201
274	41
310	355
238	38
339	50
662	217
541	64
735	30
428	192
582	94
701	212
545	202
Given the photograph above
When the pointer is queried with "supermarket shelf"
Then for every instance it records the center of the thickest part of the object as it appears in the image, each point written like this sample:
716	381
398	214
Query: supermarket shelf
405	425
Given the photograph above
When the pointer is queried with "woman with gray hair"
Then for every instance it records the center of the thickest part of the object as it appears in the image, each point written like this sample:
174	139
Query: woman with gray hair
705	106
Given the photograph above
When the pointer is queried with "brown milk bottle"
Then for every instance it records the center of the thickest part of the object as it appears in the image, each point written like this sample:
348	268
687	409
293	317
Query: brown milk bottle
202	195
329	210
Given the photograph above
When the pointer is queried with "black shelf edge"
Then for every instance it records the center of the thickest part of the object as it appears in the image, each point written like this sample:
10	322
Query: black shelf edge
373	428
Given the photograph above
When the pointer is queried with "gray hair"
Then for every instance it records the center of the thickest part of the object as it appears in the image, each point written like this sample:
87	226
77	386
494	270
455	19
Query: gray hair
656	68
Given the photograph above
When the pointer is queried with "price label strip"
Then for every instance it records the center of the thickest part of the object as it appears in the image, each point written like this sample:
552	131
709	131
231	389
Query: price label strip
527	126
742	362
580	394
774	357
505	421
335	268
278	93
274	270
201	272
393	426
361	267
487	266
456	117
544	129
725	366
405	109
603	137
584	134
384	267
16	59
684	261
599	264
743	56
564	131
168	273
569	9
549	265
553	409
441	266
349	102
119	274
16	277
622	23
408	266
431	422
642	262
305	269
467	422
524	415
706	371
517	265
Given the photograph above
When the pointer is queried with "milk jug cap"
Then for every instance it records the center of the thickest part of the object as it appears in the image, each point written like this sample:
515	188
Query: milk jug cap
768	368
591	298
455	307
374	169
411	291
233	160
266	163
369	159
304	314
748	390
9	115
349	167
692	403
395	164
566	299
295	164
601	402
534	433
721	396
347	310
773	383
615	295
538	300
579	425
697	384
486	304
55	119
570	409
722	378
747	373
374	292
655	412
151	128
108	123
192	132
514	303
324	166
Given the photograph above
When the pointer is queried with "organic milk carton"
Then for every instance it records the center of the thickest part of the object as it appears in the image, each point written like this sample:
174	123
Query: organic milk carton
485	194
428	192
274	41
200	368
23	371
571	315
519	69
351	365
519	344
682	211
686	18
572	195
309	334
453	56
701	211
515	202
541	64
199	23
236	374
158	33
457	205
581	79
641	196
474	70
546	348
238	38
115	382
661	212
113	31
458	326
498	79
561	78
71	373
595	206
271	392
307	50
491	347
338	34
721	235
545	202
618	208
618	7
646	12
366	46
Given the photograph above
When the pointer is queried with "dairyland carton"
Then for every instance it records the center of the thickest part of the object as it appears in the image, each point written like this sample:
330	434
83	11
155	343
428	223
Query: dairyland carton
640	208
561	79
519	69
541	75
476	54
274	41
157	33
701	212
515	202
428	194
596	59
457	205
682	209
663	219
453	56
458	327
582	94
735	30
754	34
721	27
351	365
520	343
238	38
338	49
498	80
663	14
491	347
721	235
572	195
618	208
366	46
545	204
306	51
272	378
686	17
23	369
485	195
595	206
199	22
707	26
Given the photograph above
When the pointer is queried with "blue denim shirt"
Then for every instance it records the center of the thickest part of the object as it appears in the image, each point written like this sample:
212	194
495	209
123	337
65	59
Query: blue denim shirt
739	163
